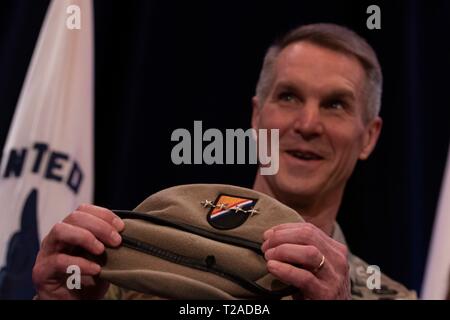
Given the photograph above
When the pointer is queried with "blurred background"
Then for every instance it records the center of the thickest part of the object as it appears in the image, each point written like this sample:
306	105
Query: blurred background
160	65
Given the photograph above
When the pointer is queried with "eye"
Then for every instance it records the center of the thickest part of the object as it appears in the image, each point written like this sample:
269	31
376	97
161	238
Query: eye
286	96
335	104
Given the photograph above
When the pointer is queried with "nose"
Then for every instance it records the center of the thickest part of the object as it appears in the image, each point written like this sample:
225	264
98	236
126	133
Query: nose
308	122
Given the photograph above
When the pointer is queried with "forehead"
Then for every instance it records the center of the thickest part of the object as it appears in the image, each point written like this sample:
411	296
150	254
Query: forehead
304	63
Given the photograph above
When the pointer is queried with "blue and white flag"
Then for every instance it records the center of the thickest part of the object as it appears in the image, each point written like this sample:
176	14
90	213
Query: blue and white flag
46	167
436	283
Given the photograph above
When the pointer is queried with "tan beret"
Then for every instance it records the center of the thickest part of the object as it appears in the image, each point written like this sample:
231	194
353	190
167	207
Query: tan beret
199	241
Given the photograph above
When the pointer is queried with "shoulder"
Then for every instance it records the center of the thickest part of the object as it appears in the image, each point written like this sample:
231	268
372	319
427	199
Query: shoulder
368	283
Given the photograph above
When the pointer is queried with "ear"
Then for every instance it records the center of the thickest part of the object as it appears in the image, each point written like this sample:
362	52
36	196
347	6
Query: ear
371	134
256	112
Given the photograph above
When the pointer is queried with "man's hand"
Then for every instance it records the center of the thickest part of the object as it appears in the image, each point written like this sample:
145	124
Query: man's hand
89	228
294	252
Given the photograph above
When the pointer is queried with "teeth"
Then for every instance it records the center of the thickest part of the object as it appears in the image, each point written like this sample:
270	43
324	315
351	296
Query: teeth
305	156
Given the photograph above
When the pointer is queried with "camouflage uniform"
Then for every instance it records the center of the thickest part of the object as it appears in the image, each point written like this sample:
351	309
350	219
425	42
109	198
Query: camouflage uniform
389	289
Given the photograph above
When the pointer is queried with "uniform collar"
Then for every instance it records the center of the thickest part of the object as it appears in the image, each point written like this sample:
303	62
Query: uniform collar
338	235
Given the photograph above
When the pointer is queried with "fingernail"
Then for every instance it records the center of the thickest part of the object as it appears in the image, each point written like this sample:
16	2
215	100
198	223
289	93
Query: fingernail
96	268
264	246
115	237
268	254
99	246
118	224
272	265
268	234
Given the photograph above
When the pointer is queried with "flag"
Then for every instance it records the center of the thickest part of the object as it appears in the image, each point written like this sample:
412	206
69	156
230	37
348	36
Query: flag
436	283
46	168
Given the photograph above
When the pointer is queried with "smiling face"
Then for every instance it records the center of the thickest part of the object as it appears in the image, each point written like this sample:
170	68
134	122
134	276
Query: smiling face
317	102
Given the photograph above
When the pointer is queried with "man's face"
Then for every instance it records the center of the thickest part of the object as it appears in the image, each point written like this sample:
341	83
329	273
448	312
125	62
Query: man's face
317	102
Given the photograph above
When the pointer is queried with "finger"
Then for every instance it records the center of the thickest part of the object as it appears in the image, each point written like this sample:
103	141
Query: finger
269	232
306	257
58	265
94	285
312	235
70	235
104	214
304	280
88	281
102	230
300	235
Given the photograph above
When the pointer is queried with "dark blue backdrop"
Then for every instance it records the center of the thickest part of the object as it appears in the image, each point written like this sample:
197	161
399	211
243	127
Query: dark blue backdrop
160	65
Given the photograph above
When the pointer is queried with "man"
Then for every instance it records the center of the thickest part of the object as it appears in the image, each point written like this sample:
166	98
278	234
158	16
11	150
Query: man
320	85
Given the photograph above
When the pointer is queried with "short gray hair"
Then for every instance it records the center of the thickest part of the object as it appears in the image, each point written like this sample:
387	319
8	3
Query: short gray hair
334	37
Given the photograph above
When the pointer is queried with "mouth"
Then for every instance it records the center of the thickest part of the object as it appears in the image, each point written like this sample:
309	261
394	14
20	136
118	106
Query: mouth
304	155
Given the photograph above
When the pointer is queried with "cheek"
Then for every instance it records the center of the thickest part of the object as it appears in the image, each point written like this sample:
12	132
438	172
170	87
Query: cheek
273	118
347	145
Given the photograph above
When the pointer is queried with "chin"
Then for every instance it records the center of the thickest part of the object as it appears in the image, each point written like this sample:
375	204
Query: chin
293	190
